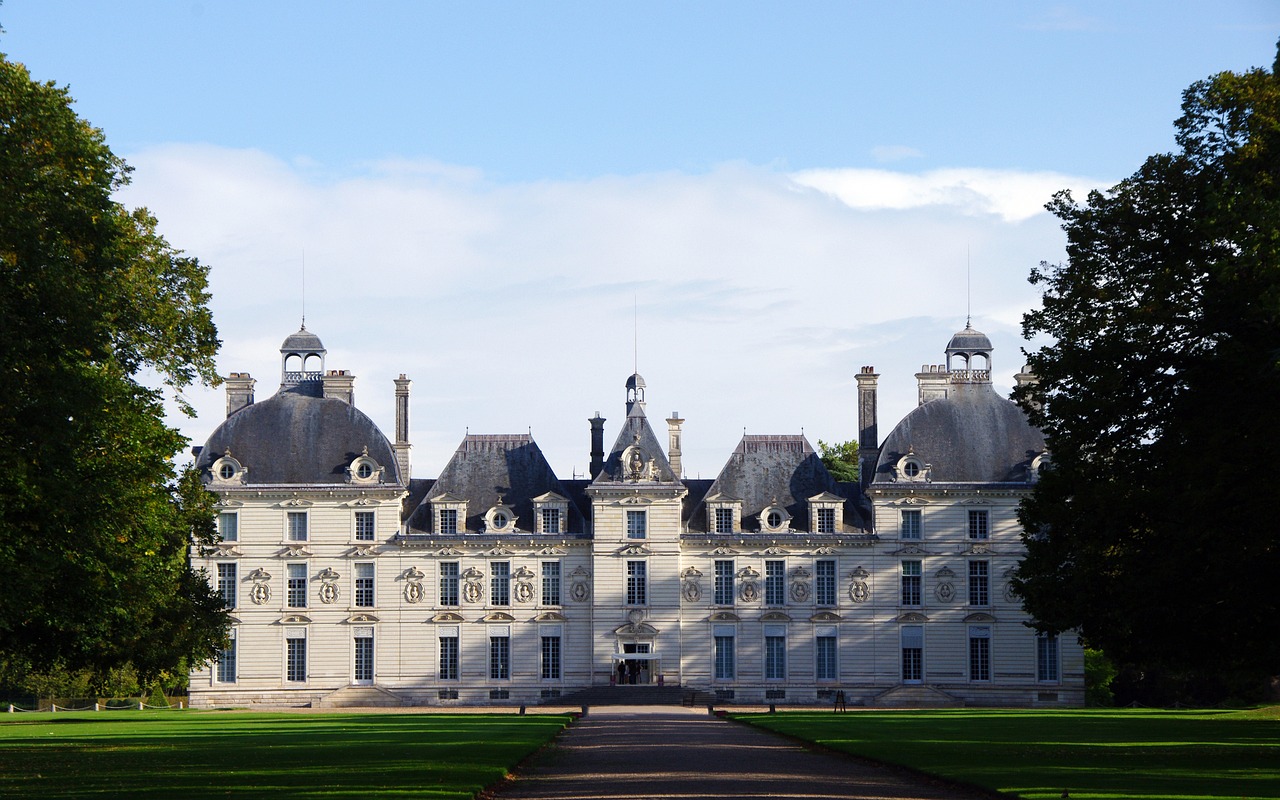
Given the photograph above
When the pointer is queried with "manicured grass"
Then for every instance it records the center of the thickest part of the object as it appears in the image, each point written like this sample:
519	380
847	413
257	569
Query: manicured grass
1092	753
193	755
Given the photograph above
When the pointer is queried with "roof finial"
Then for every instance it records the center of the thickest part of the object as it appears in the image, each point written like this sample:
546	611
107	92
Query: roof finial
635	334
304	288
968	290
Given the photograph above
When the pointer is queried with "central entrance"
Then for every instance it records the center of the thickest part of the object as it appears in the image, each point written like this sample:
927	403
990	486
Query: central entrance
636	665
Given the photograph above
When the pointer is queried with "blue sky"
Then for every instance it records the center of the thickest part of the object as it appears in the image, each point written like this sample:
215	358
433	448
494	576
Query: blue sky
489	196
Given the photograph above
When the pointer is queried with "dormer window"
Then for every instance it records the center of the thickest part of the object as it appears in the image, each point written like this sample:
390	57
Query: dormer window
501	518
911	468
550	513
724	514
449	514
824	512
775	519
364	469
228	470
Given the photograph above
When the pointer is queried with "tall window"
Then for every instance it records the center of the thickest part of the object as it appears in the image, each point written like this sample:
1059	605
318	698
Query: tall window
364	584
364	526
449	658
637	585
227	584
826	668
826	520
500	583
775	589
724	583
550	520
449	583
551	583
979	583
724	520
550	658
228	526
296	655
979	524
227	661
297	526
448	520
636	524
724	656
364	654
911	583
775	655
912	653
979	652
499	657
824	582
1047	658
910	523
297	585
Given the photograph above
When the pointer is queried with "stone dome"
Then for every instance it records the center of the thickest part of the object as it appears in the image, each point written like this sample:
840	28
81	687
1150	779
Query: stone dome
969	341
635	381
304	341
294	439
972	436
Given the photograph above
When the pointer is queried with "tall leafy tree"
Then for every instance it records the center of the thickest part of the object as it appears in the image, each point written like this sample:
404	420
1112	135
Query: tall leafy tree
840	459
1150	532
96	521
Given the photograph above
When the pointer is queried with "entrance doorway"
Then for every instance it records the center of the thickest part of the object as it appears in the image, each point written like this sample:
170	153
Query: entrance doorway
636	665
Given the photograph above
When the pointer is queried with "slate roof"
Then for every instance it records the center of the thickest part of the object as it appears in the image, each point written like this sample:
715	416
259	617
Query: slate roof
304	341
972	436
486	466
635	430
294	438
968	341
781	469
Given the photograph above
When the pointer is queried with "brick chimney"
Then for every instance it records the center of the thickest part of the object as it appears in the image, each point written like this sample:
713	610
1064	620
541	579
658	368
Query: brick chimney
239	391
868	427
597	445
673	444
402	446
340	385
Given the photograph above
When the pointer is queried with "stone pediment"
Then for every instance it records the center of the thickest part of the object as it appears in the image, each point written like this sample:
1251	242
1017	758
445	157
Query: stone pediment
826	551
826	497
636	629
295	502
979	616
361	619
775	616
294	619
825	616
472	574
413	574
911	550
228	549
690	572
634	500
523	572
363	551
633	550
446	498
776	551
234	620
913	616
910	501
724	616
362	501
500	551
227	502
722	550
978	548
498	616
298	551
720	497
449	551
259	574
448	616
550	616
748	573
550	497
976	501
552	551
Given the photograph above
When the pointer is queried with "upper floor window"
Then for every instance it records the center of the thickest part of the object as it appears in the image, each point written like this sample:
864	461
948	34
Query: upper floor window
551	583
824	582
979	524
911	527
637	584
500	583
364	526
449	583
297	585
775	583
637	527
229	526
227	583
448	520
911	583
724	583
364	584
979	583
297	522
550	520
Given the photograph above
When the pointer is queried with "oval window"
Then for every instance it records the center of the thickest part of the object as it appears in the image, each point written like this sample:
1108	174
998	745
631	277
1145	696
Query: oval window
499	520
227	472
775	519
364	470
911	468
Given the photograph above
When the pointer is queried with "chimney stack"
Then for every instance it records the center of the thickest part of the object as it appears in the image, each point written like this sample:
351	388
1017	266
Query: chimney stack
933	382
597	445
1027	378
402	446
340	385
868	428
239	391
673	444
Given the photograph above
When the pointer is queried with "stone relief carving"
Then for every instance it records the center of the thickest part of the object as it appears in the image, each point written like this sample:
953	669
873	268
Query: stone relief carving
472	591
413	591
945	591
261	591
858	590
799	590
1010	596
748	588
691	589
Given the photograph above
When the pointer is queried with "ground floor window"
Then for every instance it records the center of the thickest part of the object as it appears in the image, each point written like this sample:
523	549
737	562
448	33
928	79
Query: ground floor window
979	652
1047	658
724	652
364	655
499	657
449	657
775	657
296	655
551	658
826	667
227	661
912	653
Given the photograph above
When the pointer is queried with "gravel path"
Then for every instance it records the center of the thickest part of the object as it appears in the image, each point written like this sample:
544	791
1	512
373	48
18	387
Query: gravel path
637	752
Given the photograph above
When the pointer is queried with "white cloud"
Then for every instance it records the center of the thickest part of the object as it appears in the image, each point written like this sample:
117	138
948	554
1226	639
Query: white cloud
1013	196
896	152
511	306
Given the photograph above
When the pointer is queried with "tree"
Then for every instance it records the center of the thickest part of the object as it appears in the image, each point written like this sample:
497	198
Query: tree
840	459
96	521
1149	531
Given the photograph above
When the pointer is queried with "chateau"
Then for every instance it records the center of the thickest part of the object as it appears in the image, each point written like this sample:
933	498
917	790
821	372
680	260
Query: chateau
498	582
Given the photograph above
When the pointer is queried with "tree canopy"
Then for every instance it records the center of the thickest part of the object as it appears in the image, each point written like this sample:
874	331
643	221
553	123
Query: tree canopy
96	521
840	459
1149	532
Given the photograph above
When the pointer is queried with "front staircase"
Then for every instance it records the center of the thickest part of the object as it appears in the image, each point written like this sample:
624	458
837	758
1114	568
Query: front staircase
626	696
360	697
915	696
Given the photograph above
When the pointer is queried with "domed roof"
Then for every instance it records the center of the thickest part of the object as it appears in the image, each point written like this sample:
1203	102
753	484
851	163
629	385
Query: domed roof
972	436
635	381
293	438
969	340
304	341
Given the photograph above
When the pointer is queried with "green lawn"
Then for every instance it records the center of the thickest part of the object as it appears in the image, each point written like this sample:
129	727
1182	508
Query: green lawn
193	755
1093	753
